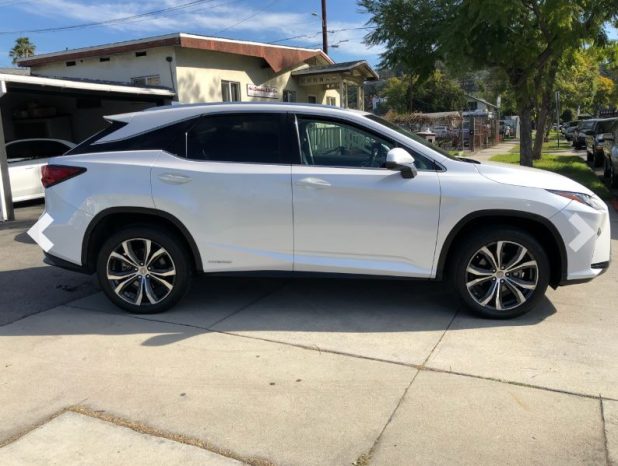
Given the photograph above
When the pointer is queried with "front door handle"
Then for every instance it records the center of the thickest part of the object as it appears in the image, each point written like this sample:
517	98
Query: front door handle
173	178
311	182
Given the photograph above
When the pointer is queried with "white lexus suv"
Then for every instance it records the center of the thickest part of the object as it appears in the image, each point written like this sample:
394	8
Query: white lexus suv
214	188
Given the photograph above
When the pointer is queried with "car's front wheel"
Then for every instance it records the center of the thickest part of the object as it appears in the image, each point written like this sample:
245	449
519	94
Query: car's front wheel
501	272
143	269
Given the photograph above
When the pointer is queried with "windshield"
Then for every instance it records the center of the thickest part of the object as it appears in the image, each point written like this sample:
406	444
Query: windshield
411	135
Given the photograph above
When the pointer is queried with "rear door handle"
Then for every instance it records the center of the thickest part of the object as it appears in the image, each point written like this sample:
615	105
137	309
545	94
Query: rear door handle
311	182
172	178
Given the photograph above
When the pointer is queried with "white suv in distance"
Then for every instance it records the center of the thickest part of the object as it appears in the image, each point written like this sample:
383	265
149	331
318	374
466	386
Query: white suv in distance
217	188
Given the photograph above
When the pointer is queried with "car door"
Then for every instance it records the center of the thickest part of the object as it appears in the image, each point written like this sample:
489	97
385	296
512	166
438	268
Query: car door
353	216
230	185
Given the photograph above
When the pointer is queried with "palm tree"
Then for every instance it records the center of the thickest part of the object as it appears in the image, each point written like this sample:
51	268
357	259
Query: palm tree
23	48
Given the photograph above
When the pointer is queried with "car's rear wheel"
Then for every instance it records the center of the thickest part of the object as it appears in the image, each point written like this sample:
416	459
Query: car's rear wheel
501	272
143	270
613	176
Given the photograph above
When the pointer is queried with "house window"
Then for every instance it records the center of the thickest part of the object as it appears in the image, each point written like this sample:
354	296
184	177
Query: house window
289	96
331	101
230	91
70	63
141	54
153	80
311	99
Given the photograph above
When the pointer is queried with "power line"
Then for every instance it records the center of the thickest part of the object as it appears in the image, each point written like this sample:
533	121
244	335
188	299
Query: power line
111	21
252	15
331	31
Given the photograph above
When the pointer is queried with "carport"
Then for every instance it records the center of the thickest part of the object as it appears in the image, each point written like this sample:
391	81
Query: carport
43	107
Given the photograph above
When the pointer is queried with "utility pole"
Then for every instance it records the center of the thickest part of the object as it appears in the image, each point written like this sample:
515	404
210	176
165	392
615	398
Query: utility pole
324	29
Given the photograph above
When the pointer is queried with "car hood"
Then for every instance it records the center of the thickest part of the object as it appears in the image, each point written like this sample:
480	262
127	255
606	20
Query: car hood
529	177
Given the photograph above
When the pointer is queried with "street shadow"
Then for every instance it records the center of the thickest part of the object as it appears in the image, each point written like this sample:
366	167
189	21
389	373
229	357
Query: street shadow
309	305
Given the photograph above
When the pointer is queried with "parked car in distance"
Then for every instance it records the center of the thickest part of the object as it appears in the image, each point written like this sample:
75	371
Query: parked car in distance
297	189
594	141
441	131
25	158
583	129
568	129
505	129
610	150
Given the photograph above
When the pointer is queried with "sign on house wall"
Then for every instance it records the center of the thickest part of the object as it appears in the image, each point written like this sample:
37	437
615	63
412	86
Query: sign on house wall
262	91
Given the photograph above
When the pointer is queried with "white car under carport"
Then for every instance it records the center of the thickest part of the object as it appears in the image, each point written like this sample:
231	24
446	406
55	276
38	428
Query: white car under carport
25	158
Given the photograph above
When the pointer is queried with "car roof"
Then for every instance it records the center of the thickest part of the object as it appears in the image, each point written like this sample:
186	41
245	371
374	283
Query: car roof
139	122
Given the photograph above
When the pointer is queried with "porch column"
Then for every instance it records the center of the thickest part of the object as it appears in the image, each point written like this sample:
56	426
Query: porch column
6	199
360	97
342	98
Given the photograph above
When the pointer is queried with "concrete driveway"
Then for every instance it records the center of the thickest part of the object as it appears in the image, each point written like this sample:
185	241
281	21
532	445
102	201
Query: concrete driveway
306	372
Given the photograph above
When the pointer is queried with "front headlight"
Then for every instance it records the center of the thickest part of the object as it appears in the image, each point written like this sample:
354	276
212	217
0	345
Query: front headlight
591	201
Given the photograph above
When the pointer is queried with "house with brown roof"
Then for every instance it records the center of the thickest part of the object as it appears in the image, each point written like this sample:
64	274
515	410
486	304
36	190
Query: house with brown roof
210	69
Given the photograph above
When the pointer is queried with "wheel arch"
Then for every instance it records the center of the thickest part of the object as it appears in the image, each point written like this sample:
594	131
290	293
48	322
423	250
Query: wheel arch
540	227
111	219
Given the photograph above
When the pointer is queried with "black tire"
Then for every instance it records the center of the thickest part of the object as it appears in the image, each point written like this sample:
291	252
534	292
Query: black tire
606	169
148	292
613	176
598	159
469	253
589	157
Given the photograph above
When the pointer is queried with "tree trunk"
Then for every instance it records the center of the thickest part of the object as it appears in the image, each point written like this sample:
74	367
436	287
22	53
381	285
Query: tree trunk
544	107
541	124
525	140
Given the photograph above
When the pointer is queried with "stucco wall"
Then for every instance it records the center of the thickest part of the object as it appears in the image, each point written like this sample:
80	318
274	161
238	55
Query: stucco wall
197	74
200	74
120	68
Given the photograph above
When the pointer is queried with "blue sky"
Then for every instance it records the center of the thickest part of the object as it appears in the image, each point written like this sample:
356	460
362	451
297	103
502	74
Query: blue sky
259	20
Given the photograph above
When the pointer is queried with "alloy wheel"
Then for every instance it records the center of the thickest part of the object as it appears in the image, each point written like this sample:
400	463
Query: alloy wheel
502	275
141	272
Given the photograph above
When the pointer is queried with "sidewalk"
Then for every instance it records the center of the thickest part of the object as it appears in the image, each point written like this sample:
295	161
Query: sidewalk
505	147
484	155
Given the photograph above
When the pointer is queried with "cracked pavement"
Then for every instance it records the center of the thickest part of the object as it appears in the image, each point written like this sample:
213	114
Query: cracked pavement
302	371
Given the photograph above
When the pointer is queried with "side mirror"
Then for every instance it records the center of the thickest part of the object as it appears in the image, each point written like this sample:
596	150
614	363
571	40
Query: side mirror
399	159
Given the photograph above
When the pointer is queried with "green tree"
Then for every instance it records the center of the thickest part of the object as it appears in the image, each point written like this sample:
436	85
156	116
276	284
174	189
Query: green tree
524	39
23	48
438	93
576	80
396	93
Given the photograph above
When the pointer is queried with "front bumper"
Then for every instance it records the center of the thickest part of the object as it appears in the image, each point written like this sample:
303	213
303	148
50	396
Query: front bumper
587	239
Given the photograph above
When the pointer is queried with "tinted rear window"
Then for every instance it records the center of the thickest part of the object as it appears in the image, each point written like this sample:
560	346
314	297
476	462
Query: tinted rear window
169	138
243	138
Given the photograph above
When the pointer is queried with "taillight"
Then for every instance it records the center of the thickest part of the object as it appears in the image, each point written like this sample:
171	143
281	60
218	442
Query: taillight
54	174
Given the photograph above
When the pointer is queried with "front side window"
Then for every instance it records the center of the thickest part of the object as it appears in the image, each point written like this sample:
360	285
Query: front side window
230	91
242	138
331	143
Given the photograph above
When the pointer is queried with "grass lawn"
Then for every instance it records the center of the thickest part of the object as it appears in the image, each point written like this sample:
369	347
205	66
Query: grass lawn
570	166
